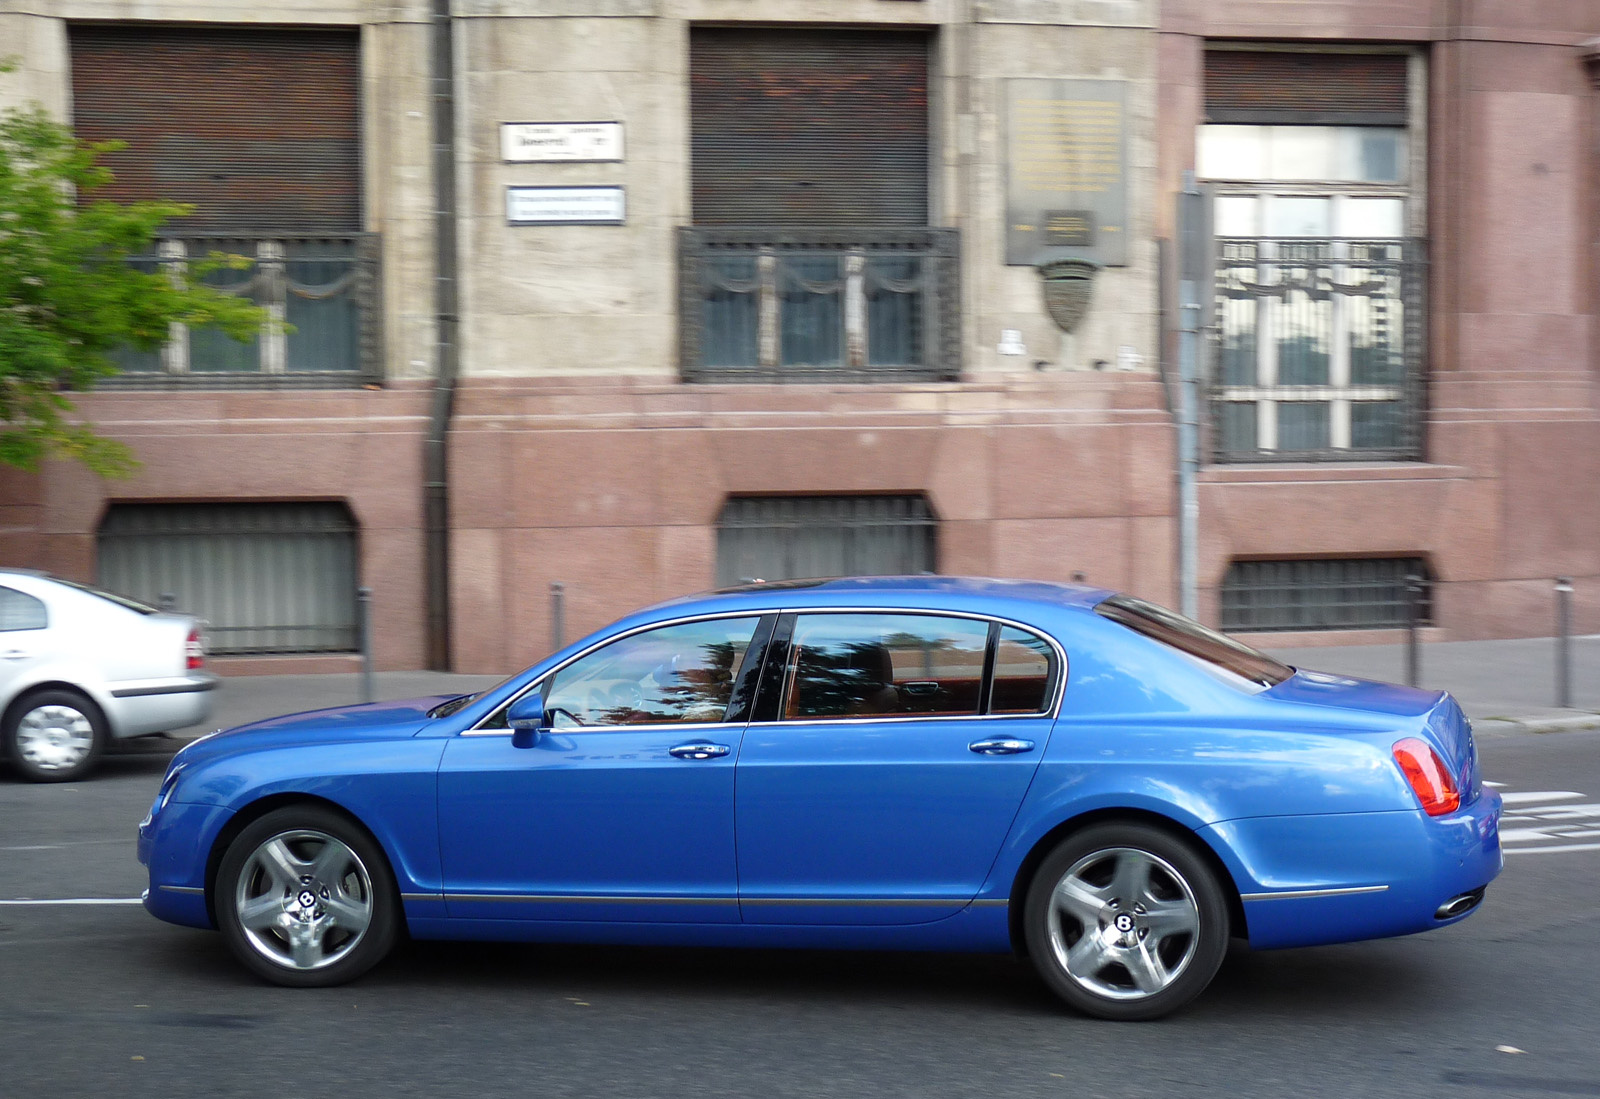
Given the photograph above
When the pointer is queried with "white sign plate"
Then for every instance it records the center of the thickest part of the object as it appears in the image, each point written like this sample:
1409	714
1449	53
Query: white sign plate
522	142
565	205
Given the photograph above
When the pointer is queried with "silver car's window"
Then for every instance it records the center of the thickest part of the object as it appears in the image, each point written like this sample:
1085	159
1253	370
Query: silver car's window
678	674
20	611
863	665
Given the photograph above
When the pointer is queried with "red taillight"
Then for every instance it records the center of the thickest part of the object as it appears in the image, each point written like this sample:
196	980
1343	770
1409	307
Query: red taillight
1428	776
194	650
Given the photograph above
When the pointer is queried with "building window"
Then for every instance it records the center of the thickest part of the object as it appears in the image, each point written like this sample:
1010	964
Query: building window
811	257
272	169
1330	594
799	537
1320	314
266	577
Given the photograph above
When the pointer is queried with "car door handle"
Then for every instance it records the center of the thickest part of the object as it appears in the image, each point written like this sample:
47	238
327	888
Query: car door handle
1000	747
698	750
15	654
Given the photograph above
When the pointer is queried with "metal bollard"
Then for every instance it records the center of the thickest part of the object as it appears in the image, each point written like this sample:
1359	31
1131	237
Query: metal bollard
1563	642
558	615
167	602
1413	613
364	624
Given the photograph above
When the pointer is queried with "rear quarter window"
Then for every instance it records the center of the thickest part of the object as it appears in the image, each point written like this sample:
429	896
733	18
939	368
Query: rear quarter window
20	611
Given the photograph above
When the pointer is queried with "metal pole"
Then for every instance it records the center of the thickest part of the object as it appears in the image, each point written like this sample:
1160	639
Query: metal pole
364	623
558	615
1192	254
1413	612
1564	642
167	602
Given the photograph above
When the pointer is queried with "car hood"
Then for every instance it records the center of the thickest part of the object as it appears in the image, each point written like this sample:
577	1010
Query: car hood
362	721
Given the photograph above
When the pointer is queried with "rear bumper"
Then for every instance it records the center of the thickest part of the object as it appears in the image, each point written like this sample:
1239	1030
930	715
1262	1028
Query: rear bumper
161	705
1332	878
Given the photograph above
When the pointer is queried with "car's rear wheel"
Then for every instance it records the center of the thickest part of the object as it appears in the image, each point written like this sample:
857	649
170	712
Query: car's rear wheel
54	735
1126	921
305	898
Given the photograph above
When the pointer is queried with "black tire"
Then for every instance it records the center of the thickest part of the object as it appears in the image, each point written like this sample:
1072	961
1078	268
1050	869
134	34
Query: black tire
1148	953
304	874
54	735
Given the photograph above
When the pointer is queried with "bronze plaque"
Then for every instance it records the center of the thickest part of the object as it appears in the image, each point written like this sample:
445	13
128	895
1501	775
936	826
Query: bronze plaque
1066	171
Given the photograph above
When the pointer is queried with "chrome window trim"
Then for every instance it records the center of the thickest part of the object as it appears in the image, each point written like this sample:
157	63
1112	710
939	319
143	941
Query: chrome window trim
1051	712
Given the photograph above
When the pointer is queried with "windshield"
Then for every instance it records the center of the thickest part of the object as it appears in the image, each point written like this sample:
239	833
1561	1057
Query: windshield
456	705
1190	637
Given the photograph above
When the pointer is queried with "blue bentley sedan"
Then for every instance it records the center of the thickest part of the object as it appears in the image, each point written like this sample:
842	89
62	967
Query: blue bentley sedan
927	763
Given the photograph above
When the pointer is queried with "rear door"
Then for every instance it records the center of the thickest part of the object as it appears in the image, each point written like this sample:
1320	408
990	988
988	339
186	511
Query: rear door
885	782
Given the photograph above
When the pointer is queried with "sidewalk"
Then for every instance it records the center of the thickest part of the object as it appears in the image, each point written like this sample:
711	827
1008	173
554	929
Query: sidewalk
1504	686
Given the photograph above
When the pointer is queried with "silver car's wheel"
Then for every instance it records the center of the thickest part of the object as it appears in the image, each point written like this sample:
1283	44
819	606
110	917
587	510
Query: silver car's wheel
53	736
305	897
1126	921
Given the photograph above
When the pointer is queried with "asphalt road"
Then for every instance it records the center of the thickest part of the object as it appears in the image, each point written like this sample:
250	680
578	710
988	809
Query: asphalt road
104	1000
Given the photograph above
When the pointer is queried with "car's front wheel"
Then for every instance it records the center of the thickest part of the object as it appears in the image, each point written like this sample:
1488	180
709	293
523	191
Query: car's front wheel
305	898
54	736
1125	921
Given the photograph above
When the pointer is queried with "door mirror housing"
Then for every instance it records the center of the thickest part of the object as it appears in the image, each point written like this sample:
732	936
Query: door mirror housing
526	716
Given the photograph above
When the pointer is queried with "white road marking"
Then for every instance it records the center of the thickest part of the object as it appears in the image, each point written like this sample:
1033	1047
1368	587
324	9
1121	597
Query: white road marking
1552	850
24	901
1523	797
1548	820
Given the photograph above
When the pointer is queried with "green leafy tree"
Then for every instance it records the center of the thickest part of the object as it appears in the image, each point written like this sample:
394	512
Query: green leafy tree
69	298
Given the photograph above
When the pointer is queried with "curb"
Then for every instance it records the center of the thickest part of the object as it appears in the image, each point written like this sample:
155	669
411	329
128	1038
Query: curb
1566	723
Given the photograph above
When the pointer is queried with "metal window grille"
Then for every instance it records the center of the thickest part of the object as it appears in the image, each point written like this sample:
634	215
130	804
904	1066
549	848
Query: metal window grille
1331	594
797	537
266	577
817	305
1319	350
324	287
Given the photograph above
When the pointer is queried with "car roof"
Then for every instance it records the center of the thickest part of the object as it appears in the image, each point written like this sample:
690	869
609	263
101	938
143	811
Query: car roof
971	593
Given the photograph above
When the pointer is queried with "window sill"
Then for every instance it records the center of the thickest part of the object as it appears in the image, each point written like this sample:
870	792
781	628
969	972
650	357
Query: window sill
1294	472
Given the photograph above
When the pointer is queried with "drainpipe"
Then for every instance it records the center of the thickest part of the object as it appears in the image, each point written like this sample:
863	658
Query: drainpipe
1193	280
435	458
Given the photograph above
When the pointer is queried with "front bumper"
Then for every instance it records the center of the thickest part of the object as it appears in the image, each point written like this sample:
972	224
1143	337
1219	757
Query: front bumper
173	844
1330	878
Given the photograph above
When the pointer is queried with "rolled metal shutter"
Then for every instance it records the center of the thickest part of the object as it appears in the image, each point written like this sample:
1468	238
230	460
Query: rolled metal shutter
1330	89
267	578
797	537
809	127
258	128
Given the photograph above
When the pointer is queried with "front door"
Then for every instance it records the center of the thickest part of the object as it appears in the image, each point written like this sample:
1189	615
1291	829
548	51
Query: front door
886	786
624	809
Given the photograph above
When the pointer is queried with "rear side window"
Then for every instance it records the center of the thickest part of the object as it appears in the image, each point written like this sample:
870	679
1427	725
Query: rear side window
1215	650
865	665
1021	673
19	611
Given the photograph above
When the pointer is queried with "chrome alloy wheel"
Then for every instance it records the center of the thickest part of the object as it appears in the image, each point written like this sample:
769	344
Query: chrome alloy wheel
1123	923
55	737
304	899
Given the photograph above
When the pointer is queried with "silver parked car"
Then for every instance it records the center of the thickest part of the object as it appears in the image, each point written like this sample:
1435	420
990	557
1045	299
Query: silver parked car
79	667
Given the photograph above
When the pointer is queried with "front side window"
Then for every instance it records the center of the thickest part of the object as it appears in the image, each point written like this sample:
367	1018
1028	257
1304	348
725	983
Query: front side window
679	674
20	611
867	665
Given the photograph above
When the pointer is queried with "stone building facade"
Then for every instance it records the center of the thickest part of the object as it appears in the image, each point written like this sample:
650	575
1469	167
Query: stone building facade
776	320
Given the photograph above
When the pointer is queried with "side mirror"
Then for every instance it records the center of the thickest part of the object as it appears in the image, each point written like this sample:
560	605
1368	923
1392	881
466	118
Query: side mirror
527	719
